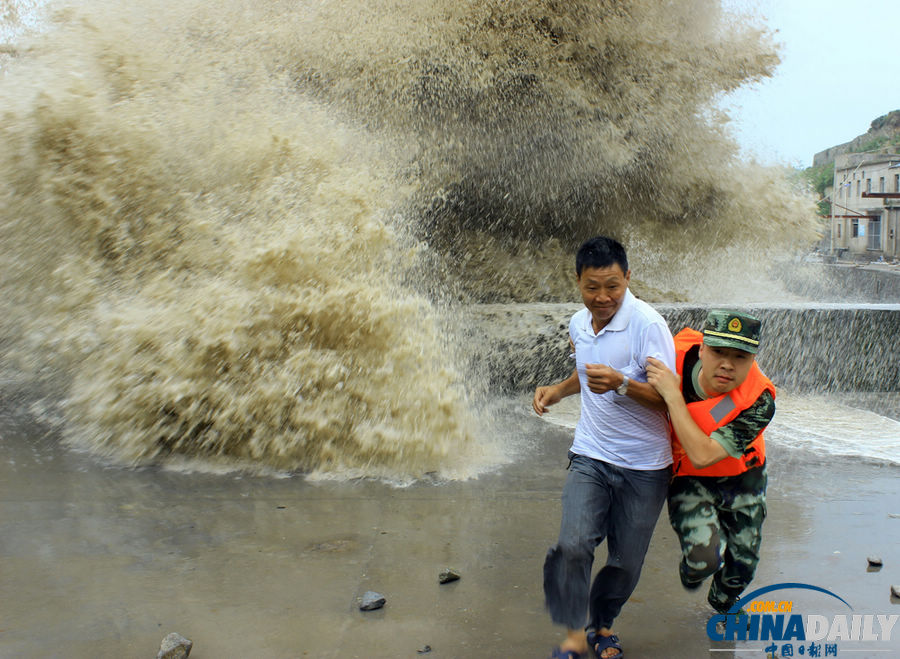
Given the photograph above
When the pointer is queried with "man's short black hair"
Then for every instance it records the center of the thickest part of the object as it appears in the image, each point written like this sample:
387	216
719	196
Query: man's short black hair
600	252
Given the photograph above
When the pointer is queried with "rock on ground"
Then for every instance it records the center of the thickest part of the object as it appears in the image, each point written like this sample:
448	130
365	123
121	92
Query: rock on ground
174	646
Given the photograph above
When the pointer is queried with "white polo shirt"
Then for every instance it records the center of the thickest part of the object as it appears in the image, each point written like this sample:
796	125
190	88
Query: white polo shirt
614	428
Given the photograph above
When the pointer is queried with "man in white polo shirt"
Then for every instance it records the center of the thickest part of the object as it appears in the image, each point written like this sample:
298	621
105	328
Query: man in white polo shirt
619	462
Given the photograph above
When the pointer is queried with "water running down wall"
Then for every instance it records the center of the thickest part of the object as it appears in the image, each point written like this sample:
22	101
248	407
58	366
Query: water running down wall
804	347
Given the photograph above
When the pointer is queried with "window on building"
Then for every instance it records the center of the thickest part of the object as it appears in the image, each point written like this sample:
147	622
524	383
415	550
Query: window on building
854	228
868	185
839	230
896	182
875	233
858	183
881	184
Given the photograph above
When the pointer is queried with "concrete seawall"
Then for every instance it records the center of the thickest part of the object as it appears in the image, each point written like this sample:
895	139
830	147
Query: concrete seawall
820	347
818	282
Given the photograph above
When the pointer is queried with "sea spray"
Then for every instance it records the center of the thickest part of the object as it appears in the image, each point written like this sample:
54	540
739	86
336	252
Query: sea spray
537	124
208	268
234	230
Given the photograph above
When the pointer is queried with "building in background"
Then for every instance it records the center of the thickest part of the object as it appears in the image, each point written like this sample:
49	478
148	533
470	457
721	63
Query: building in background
866	206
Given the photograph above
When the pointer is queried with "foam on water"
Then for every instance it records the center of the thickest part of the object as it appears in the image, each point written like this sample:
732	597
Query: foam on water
16	18
827	425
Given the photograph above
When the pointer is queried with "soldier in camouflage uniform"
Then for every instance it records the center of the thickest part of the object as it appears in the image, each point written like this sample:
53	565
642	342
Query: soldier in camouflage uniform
719	408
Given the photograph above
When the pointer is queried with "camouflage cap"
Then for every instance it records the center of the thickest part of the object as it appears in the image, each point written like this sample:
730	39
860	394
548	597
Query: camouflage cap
732	329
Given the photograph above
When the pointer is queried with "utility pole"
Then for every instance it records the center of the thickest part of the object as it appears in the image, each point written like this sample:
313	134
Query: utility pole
833	197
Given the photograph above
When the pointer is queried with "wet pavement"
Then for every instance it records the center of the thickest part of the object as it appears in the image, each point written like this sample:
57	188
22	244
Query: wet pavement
105	561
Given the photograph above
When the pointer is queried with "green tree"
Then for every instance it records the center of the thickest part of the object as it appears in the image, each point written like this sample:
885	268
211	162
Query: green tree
819	178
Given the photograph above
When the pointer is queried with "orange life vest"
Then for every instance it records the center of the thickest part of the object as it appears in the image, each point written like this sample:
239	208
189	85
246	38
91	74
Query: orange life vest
716	412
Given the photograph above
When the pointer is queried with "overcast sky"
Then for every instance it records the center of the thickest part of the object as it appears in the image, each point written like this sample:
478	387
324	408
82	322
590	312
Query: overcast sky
840	70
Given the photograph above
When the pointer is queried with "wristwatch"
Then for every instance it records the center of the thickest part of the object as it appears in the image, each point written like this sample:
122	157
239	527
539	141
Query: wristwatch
622	389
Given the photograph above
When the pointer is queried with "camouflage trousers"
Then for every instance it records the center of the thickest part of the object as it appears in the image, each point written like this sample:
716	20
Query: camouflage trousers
719	523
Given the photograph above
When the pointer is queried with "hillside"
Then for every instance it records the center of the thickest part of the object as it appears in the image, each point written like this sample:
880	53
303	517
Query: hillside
883	131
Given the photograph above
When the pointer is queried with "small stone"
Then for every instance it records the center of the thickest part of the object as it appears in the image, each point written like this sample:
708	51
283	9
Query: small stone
371	601
174	646
895	591
424	650
448	575
875	561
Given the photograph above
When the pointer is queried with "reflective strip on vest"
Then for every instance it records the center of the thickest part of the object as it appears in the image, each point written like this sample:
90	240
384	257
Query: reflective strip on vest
722	409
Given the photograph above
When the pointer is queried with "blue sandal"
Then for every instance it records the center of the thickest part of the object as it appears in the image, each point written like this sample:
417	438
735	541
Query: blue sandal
600	643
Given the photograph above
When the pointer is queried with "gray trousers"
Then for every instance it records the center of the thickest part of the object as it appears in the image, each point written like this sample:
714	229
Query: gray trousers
601	501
